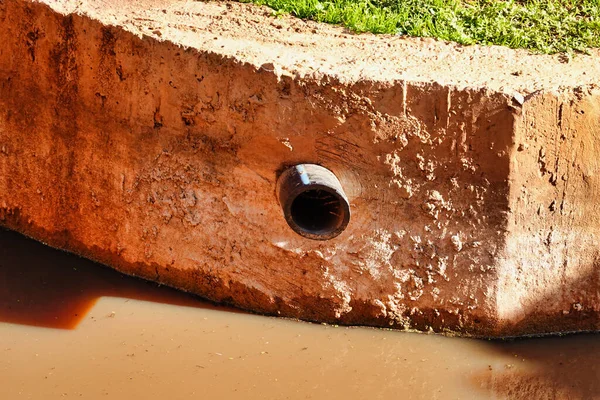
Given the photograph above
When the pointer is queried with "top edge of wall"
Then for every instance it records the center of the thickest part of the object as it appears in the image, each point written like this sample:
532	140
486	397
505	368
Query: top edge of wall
310	50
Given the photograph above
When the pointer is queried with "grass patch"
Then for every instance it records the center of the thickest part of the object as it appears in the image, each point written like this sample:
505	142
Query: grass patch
549	26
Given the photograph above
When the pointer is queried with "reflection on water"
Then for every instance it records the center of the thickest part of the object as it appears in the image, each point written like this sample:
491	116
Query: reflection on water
44	287
117	337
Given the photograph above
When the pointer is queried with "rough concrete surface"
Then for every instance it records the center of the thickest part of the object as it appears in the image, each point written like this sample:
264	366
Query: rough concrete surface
148	135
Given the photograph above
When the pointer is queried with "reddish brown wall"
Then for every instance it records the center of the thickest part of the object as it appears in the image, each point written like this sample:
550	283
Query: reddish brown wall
161	161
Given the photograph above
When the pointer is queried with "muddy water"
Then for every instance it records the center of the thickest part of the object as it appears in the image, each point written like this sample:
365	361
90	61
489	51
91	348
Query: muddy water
70	328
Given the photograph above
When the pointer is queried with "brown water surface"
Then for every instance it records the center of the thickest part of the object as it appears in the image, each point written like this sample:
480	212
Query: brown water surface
70	328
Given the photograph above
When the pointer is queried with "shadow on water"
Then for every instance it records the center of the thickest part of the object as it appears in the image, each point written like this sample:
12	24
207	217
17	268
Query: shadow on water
547	368
41	286
559	367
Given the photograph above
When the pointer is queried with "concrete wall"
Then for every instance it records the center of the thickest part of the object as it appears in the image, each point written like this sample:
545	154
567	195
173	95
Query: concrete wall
158	156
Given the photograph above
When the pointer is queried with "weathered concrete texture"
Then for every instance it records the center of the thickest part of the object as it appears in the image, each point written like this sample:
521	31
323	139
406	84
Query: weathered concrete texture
471	172
549	273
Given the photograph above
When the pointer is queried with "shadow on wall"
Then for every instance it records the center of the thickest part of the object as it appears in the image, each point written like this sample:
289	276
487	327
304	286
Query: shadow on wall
41	286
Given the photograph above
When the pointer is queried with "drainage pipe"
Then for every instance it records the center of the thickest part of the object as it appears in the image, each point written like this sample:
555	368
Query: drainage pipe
313	201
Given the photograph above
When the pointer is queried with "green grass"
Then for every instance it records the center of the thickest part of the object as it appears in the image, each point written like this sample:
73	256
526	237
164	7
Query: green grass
543	26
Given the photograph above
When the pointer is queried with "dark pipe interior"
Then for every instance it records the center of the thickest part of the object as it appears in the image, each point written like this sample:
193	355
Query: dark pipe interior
317	211
313	201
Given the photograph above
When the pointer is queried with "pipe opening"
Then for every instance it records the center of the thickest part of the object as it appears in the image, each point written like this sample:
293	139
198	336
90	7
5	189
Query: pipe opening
317	211
313	201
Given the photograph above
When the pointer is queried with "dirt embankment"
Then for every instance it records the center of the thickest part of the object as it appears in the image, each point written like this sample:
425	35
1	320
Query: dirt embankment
149	137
